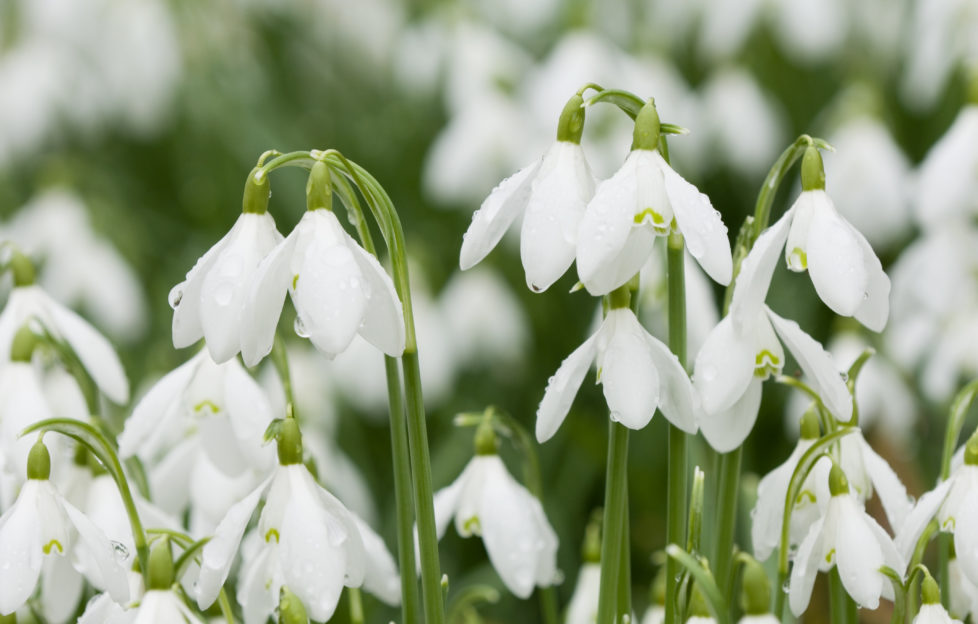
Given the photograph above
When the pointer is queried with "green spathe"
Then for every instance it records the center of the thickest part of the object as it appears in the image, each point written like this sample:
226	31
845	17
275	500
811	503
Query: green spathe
570	126
256	192
812	170
160	565
39	461
647	128
319	188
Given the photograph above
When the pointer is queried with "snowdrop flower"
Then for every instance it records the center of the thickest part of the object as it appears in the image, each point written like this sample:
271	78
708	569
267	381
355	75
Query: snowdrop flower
947	181
637	372
337	288
954	504
210	302
810	31
583	605
318	544
940	38
845	536
101	609
37	533
27	301
551	193
744	349
963	593
868	472
932	611
487	501
646	198
755	595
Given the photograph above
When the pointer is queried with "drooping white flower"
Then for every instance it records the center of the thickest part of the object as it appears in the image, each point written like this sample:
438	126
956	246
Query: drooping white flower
644	199
963	593
637	372
42	527
847	537
551	193
868	472
337	288
485	500
766	618
934	613
745	348
160	606
655	614
940	37
583	605
947	181
210	302
317	542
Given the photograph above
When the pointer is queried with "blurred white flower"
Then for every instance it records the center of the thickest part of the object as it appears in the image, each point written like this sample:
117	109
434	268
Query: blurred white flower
583	605
947	189
702	314
485	500
934	613
655	614
963	593
726	25
941	37
637	372
810	31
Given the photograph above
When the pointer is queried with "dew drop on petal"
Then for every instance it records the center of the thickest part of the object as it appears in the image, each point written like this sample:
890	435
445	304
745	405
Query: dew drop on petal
786	587
120	551
300	328
176	295
615	417
223	293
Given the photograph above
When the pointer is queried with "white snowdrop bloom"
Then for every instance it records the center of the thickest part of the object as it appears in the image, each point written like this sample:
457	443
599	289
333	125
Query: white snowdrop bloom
102	609
636	371
934	613
766	618
848	538
96	354
161	606
22	403
941	35
551	194
80	267
954	504
338	290
810	31
655	614
768	512
38	532
487	501
726	25
947	186
318	544
583	605
210	302
963	593
479	60
745	348
644	199
870	174
868	473
745	126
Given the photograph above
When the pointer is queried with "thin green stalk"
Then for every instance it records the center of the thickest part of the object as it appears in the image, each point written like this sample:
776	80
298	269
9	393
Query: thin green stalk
838	599
625	561
225	604
729	466
356	605
613	523
678	441
943	564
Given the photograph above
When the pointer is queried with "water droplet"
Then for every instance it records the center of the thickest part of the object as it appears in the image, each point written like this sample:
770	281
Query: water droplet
120	551
176	295
786	587
223	293
615	416
300	328
865	296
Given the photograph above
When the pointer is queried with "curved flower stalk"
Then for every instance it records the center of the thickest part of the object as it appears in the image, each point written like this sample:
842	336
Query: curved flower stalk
644	199
849	538
485	500
552	194
745	348
209	303
637	372
339	289
27	301
38	532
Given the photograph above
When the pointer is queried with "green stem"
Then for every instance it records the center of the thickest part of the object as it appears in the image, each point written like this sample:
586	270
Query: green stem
225	604
356	605
678	441
613	523
943	563
955	421
624	597
842	605
727	517
281	361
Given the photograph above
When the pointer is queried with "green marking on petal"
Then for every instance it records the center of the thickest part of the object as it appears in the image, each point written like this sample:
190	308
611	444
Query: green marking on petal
797	259
295	280
273	532
51	545
829	556
208	404
766	364
803	495
472	525
656	220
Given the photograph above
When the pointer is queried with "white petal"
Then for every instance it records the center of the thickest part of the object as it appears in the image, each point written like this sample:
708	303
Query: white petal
624	265
259	584
858	554
966	537
727	429
381	578
724	367
835	258
704	231
168	479
768	512
185	298
605	227
20	551
248	407
756	270
96	354
520	542
263	305
494	217
383	323
152	410
627	371
796	249
218	553
817	365
563	387
891	491
891	556
677	400
61	588
875	307
923	512
446	503
806	567
343	524
313	557
111	570
560	191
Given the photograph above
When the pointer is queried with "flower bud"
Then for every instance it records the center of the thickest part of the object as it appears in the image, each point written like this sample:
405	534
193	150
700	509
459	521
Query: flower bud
291	609
319	188
838	483
256	192
647	130
39	462
161	565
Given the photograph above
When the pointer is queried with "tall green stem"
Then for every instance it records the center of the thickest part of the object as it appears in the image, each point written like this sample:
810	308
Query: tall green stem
838	598
625	562
678	441
729	472
613	523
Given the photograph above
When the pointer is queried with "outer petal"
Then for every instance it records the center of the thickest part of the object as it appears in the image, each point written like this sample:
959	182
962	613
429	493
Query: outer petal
835	258
605	227
381	578
891	556
966	537
796	249
630	259
875	307
263	305
704	231
248	410
218	553
677	400
96	354
923	512
817	365
313	557
583	606
805	567
561	189
113	574
756	270
61	587
891	491
383	323
259	584
494	217
154	408
345	522
627	371
20	551
185	297
724	367
768	511
858	554
446	502
563	387
728	429
520	542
